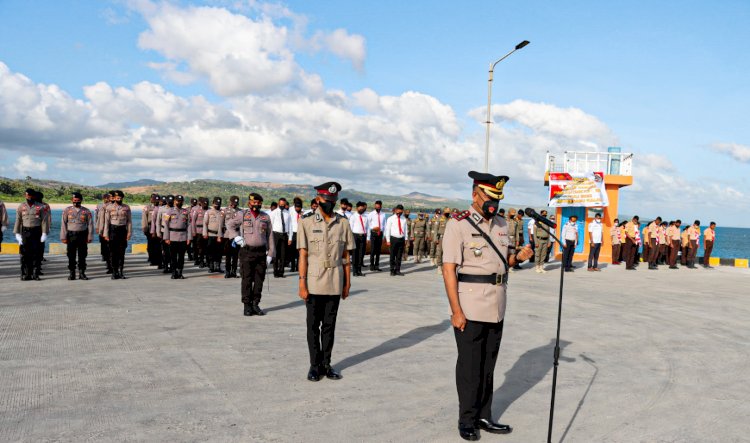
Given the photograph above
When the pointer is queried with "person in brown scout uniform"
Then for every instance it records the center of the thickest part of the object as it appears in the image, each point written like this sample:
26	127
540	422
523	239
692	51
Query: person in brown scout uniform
651	237
673	236
232	221
475	270
118	225
177	235
152	243
324	242
213	230
256	252
694	235
3	222
630	243
614	233
77	231
709	236
30	227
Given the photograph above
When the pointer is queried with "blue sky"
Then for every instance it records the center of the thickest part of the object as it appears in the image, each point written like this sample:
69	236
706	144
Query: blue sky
665	80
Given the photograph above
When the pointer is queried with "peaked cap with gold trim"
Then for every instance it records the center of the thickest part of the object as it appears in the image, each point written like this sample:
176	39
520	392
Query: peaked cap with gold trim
492	185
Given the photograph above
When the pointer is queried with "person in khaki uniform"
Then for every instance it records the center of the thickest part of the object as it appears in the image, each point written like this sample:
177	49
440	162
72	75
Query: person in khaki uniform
153	247
118	225
257	250
77	231
30	230
3	222
177	235
694	235
418	230
630	242
442	222
663	244
709	236
213	230
431	234
101	209
324	241
673	237
232	221
614	234
475	279
541	245
407	240
651	238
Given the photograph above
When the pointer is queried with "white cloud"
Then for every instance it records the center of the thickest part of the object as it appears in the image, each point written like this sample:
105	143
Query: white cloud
24	165
347	46
741	153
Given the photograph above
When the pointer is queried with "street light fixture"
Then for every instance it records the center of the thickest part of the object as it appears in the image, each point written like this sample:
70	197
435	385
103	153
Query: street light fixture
489	103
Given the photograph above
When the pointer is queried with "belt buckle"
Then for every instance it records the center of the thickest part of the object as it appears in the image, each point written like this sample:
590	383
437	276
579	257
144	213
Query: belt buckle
501	279
327	264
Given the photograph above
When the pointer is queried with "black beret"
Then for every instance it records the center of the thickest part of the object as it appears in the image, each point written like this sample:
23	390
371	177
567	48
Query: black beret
193	201
179	197
217	200
255	196
77	195
234	199
119	193
170	198
30	191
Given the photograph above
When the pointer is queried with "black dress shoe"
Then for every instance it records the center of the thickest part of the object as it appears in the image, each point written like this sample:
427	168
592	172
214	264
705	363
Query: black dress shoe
256	310
399	273
82	275
313	374
331	373
492	427
72	275
468	433
248	310
109	270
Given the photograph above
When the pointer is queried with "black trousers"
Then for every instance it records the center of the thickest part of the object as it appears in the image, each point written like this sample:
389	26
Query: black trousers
106	255
214	249
478	345
360	245
397	253
154	249
594	255
253	270
568	251
280	241
77	247
32	243
177	255
231	255
199	246
321	327
118	242
166	257
376	242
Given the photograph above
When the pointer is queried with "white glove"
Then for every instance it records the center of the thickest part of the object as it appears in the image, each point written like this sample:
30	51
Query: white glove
269	259
44	237
3	228
19	239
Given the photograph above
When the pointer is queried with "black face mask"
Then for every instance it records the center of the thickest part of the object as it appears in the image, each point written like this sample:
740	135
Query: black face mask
179	205
360	211
255	208
489	208
119	202
77	204
30	201
327	207
399	214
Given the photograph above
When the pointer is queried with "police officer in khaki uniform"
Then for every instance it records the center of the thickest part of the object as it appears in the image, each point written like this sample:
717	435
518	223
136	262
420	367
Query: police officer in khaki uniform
30	230
166	256
324	241
440	225
190	250
152	243
101	209
199	243
213	231
177	235
418	231
432	234
541	245
476	281
407	240
77	231
118	225
257	251
232	220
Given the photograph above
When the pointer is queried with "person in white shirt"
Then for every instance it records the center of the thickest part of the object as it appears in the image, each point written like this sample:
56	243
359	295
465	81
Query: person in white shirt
360	227
296	216
344	208
595	242
530	228
281	224
570	237
396	232
376	226
311	210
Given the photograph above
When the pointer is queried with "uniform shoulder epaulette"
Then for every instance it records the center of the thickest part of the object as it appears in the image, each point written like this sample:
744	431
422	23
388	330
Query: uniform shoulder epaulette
461	215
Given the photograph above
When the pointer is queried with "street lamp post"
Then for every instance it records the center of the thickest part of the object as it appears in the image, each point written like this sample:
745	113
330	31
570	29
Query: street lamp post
489	103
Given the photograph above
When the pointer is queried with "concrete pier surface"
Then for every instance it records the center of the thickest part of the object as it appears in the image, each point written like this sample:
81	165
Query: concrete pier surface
647	356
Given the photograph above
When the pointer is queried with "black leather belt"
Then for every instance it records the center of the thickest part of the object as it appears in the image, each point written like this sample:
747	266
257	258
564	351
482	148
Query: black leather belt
177	230
212	232
491	279
33	228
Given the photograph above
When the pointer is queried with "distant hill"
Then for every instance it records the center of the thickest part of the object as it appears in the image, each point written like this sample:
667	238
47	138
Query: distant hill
141	182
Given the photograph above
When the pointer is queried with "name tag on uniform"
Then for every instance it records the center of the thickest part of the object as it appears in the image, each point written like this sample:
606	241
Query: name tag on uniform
317	231
476	235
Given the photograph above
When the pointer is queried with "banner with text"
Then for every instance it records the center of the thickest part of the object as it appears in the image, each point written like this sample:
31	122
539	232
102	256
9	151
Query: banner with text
577	190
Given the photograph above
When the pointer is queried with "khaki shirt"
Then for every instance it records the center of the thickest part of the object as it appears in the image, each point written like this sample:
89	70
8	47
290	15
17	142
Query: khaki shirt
675	235
256	231
479	301
630	229
615	235
31	216
118	215
101	209
3	217
232	221
213	223
325	244
653	230
197	222
709	234
157	226
77	220
684	237
177	224
419	228
148	212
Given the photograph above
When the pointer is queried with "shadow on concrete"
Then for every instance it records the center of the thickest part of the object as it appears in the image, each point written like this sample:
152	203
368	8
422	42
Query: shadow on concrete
421	269
530	368
403	341
591	362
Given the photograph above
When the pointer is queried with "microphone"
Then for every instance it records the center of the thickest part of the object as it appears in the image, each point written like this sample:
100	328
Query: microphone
533	214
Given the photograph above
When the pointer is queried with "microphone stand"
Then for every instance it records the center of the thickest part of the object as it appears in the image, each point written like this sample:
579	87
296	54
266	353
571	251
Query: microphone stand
557	340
